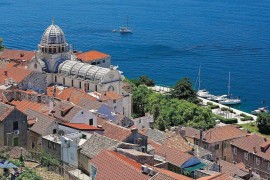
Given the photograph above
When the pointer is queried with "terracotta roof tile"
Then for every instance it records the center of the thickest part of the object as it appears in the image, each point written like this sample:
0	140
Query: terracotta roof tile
16	74
71	94
116	132
232	169
168	175
218	176
112	165
5	110
17	54
83	127
250	142
65	111
43	122
107	95
91	56
177	141
25	104
222	133
173	155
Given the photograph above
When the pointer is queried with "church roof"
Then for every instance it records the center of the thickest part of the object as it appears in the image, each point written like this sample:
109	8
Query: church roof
53	35
85	71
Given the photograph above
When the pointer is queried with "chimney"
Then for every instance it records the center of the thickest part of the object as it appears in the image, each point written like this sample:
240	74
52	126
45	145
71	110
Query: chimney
21	55
6	73
134	130
254	150
265	139
68	99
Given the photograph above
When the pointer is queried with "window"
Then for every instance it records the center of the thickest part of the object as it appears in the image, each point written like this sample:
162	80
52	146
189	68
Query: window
54	147
49	145
55	79
83	136
33	145
54	131
72	82
268	166
246	156
15	125
91	121
64	81
257	160
235	150
80	85
114	101
98	62
35	66
140	121
103	61
95	87
217	147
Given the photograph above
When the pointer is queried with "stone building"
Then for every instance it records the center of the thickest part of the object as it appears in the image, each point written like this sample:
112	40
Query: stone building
254	152
56	59
217	140
13	126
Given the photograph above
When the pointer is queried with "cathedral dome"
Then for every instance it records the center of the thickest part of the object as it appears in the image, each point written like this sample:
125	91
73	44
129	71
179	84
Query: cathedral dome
53	35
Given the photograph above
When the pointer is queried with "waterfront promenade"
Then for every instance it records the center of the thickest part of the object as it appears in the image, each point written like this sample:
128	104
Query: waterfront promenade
226	114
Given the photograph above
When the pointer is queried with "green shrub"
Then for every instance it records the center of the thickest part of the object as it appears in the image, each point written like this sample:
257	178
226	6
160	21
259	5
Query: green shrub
243	115
214	106
226	121
247	118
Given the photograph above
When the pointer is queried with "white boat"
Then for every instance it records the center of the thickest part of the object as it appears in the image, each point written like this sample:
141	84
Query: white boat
228	100
203	93
126	29
260	110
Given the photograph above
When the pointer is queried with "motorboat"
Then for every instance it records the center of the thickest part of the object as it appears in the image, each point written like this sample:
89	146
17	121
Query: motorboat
260	110
203	93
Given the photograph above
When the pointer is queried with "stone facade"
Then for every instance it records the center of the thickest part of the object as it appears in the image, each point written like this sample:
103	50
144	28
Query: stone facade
257	164
219	150
35	81
52	146
13	129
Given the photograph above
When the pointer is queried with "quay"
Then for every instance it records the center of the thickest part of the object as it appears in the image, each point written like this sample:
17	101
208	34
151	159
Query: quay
218	111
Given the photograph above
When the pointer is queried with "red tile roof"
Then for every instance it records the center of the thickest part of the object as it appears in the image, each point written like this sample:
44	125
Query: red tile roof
250	142
218	176
222	133
73	95
25	104
91	56
168	175
112	165
114	131
16	74
232	169
173	155
5	110
107	95
83	127
17	54
177	141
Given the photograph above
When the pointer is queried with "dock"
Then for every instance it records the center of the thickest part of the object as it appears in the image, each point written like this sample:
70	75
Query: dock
218	111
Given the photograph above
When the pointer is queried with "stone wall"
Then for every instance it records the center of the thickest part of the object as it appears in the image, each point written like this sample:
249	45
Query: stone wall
8	129
35	81
54	152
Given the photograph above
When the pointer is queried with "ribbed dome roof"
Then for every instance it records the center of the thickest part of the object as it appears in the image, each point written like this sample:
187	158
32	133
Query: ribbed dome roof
53	35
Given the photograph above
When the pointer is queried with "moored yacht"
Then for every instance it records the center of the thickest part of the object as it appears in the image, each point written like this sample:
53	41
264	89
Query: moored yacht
260	110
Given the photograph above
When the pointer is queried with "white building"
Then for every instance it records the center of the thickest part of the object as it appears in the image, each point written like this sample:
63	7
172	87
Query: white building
55	58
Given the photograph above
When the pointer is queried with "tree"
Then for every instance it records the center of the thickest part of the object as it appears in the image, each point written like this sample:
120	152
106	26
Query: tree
139	97
263	123
183	90
143	80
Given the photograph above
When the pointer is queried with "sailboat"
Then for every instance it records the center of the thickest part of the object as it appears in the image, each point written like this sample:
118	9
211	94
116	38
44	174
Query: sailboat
228	100
125	29
202	92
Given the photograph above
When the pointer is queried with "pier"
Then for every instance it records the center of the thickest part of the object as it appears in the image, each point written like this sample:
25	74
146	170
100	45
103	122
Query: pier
236	113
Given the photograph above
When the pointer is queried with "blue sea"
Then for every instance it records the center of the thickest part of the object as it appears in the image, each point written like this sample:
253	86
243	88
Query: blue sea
171	39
